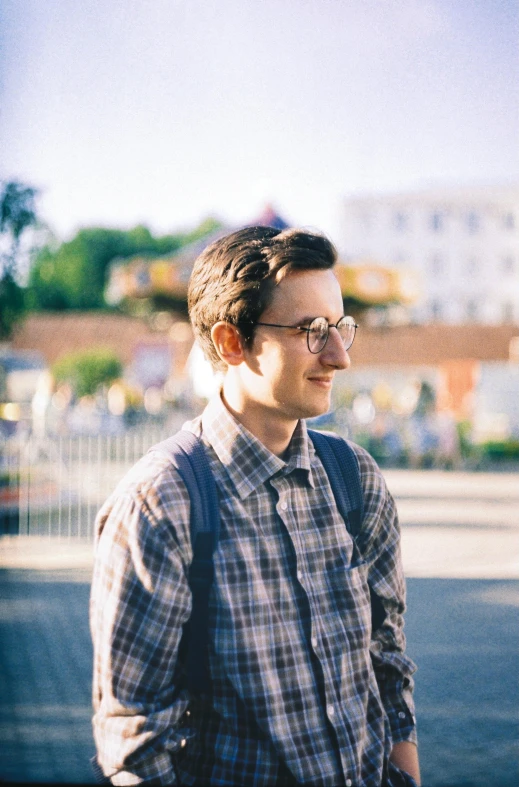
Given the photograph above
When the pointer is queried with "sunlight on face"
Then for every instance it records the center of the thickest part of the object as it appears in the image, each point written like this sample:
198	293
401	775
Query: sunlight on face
282	379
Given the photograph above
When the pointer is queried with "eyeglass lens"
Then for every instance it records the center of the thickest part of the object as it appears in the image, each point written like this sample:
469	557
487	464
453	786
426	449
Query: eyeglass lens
319	330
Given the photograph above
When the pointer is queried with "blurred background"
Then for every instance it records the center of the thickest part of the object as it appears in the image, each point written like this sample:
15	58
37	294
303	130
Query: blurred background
136	132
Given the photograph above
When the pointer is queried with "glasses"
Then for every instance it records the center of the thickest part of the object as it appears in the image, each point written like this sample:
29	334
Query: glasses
318	332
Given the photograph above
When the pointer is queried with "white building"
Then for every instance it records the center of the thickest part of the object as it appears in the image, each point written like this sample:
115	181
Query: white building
463	245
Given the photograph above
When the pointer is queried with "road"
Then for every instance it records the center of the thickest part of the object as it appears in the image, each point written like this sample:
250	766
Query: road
461	554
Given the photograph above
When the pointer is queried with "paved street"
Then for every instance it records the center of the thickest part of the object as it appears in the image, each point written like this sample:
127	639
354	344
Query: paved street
461	553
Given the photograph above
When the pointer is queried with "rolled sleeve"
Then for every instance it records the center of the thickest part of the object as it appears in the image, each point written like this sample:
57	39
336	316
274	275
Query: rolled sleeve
140	601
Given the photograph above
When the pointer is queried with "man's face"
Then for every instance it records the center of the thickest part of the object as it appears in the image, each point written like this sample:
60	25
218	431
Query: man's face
281	377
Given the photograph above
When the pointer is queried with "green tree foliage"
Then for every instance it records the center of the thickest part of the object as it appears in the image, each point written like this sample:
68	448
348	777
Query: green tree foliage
206	227
86	371
12	304
17	215
73	275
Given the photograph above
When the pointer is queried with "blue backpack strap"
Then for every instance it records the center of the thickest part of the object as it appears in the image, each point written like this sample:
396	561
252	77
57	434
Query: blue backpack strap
342	468
186	452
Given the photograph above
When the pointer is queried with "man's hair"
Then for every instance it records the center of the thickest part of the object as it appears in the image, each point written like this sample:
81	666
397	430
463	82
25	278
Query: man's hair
233	280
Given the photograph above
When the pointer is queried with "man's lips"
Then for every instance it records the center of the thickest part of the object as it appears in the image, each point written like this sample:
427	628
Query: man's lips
325	382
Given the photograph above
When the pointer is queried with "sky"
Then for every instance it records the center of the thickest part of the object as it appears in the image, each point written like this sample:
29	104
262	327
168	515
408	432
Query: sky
163	112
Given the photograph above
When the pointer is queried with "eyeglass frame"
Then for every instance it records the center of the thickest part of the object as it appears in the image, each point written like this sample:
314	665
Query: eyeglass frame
309	330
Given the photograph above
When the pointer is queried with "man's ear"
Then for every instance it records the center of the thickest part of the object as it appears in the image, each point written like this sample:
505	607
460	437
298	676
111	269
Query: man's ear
228	343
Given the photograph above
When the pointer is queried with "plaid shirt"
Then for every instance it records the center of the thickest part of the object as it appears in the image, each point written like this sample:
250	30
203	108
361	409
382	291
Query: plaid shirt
301	690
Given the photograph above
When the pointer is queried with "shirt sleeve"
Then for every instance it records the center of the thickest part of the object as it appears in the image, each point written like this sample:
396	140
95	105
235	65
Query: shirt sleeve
140	601
380	545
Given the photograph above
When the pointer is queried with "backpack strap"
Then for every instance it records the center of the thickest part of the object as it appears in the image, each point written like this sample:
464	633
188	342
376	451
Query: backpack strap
342	468
186	452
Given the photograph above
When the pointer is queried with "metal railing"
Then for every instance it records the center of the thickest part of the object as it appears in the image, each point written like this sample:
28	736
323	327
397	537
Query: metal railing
54	486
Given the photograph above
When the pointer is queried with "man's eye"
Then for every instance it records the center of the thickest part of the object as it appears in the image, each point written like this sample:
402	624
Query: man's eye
317	330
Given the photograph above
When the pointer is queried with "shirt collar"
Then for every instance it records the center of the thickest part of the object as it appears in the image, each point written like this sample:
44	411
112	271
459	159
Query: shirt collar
246	460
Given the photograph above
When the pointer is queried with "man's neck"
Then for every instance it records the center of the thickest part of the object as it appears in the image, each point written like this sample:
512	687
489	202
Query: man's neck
275	434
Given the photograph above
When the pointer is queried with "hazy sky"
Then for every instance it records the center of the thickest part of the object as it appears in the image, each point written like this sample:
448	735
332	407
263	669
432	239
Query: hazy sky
165	111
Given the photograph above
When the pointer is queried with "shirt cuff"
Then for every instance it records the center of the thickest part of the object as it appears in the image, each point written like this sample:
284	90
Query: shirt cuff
156	770
401	717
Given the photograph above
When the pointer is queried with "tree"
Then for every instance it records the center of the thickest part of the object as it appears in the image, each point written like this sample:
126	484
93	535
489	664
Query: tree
73	276
86	371
12	304
17	215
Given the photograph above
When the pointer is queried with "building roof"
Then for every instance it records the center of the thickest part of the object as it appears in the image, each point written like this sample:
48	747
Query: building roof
477	194
56	334
432	344
59	333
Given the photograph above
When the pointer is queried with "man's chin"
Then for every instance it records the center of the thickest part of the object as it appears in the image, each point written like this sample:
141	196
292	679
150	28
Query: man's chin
315	411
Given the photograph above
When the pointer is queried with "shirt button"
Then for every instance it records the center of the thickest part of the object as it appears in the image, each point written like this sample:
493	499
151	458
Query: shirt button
401	715
284	505
300	576
314	642
182	743
331	710
348	782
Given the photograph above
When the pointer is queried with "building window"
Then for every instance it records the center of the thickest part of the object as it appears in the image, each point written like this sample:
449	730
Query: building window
436	310
400	221
437	221
472	310
509	221
508	265
473	222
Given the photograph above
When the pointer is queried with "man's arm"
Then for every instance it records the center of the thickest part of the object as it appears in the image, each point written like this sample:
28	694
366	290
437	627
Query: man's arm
140	601
393	668
405	756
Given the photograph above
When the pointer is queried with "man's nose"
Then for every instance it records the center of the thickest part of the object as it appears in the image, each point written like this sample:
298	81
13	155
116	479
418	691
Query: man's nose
334	353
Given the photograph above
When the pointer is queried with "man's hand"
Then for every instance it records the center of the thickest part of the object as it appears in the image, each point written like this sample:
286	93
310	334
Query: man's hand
405	756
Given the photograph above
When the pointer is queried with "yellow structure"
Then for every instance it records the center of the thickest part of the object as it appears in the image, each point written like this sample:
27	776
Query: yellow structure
367	283
374	285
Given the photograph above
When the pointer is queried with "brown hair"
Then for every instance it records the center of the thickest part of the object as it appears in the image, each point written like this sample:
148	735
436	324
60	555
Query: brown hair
234	278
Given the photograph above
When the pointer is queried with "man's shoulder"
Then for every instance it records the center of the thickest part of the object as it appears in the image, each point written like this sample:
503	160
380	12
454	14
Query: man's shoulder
371	477
367	465
152	495
366	462
152	477
151	469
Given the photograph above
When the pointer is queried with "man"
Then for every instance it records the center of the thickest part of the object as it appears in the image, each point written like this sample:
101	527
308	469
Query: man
302	690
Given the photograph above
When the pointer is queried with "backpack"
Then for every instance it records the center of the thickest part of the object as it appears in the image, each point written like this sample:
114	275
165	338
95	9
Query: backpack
187	454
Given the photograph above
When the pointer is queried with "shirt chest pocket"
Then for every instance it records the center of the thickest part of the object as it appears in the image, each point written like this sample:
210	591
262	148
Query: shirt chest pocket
350	600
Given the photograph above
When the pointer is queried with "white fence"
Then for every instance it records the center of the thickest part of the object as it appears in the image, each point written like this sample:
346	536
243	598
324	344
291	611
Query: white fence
54	486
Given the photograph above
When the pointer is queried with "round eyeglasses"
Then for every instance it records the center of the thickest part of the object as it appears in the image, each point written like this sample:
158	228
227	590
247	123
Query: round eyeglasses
318	331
